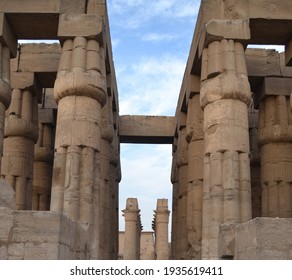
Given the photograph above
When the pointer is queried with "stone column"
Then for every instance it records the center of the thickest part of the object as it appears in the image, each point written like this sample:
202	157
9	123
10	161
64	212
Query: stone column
132	230
195	138
225	95
8	49
5	90
255	167
161	219
182	162
80	92
115	178
43	161
106	139
174	181
21	133
275	139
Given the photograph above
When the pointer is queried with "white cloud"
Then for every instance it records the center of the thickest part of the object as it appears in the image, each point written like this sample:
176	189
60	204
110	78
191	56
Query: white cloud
158	37
143	11
153	86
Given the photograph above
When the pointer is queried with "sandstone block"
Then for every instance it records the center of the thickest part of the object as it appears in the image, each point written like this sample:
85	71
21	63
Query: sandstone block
6	224
7	195
263	239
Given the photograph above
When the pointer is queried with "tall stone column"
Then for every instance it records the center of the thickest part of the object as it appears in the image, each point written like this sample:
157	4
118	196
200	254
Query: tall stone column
255	166
80	92
132	230
8	49
5	90
174	181
21	133
115	178
275	139
43	161
161	219
106	139
225	95
195	138
182	162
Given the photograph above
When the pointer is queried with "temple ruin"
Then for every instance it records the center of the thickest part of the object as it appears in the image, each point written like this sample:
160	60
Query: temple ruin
60	135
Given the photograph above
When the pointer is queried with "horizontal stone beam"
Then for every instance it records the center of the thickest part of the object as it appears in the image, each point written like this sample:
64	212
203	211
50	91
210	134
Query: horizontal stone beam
147	129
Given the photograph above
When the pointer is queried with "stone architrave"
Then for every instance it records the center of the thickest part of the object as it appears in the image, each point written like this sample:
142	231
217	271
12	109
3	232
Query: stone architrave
21	133
225	96
275	139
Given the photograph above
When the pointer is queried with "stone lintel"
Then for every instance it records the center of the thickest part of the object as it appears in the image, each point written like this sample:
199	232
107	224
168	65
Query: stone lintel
276	86
47	116
39	57
89	26
288	53
26	80
7	37
219	29
147	129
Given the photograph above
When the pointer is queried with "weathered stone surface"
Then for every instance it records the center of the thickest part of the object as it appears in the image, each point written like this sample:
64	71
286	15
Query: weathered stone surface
263	239
7	195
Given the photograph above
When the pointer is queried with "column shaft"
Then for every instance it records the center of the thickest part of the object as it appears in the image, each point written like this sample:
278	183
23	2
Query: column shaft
275	140
225	95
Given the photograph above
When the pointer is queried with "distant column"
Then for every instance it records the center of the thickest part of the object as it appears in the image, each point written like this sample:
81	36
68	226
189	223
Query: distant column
275	138
43	161
160	227
225	96
255	166
132	230
21	133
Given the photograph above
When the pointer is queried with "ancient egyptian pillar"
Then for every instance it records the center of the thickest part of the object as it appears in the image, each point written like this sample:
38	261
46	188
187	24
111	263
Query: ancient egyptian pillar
174	181
21	133
106	139
114	179
255	168
8	49
225	96
160	226
195	139
132	230
182	163
275	139
80	92
43	161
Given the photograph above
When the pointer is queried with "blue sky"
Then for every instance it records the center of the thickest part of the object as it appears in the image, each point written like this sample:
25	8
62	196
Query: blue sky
151	42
